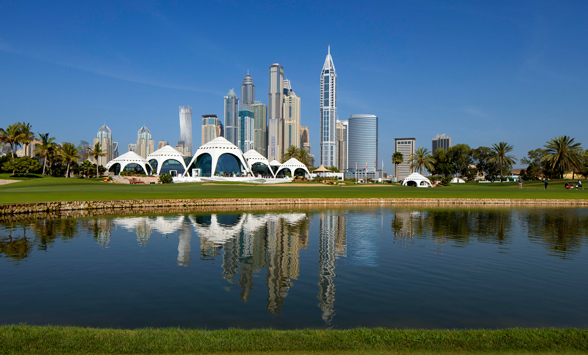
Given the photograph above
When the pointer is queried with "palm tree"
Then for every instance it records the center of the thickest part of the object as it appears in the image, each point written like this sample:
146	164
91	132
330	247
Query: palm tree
300	154
563	154
96	152
397	158
27	135
422	158
500	155
291	152
69	153
45	149
12	136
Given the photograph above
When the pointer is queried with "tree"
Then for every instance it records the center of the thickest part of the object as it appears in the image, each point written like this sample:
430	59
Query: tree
421	159
95	153
27	134
86	168
69	153
300	154
45	149
11	136
563	154
482	157
442	164
397	158
461	158
501	157
22	165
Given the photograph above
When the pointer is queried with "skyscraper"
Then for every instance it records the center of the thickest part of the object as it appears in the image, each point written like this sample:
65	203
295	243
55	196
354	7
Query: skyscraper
211	128
342	143
440	141
305	138
186	128
362	148
291	117
232	117
260	128
328	105
104	137
161	144
406	147
145	144
246	130
247	92
274	115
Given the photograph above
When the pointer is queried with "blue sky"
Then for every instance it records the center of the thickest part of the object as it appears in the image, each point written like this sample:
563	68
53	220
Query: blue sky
479	71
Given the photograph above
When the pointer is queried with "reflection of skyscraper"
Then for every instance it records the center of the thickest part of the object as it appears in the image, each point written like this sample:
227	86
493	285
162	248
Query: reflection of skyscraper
332	238
363	230
184	248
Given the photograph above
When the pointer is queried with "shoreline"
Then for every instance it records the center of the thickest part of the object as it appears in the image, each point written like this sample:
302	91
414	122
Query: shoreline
240	204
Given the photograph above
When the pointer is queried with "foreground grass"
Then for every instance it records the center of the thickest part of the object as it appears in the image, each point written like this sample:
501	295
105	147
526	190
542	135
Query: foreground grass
72	340
61	189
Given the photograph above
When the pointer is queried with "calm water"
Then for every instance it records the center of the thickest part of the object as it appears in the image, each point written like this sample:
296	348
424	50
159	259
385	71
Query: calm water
406	268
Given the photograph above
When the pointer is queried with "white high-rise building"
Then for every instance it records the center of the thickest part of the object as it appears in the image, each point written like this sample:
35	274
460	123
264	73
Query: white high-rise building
186	128
328	107
104	137
275	129
291	117
247	92
232	117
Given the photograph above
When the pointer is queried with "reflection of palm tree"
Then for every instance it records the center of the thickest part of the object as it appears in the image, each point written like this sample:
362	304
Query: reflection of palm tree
500	155
562	154
96	152
45	149
422	158
397	158
69	153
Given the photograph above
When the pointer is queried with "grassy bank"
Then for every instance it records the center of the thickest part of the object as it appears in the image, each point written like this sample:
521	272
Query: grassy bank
72	340
61	189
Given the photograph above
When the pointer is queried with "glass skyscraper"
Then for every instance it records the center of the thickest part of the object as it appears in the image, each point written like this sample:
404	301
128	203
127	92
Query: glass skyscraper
363	142
186	128
232	117
328	106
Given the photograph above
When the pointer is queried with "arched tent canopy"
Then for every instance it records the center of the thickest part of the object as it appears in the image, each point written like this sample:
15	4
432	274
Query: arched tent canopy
295	168
130	161
275	165
166	159
258	164
416	179
456	180
218	156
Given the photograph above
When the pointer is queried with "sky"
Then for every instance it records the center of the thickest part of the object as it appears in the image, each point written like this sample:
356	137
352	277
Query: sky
481	72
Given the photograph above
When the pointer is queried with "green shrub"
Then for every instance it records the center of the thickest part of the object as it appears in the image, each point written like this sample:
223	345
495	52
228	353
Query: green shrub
166	179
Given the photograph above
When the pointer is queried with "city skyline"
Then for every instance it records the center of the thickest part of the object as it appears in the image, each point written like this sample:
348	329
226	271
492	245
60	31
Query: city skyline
481	73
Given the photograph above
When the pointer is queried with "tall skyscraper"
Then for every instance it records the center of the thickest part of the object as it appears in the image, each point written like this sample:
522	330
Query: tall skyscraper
104	137
186	128
211	128
305	138
274	115
145	144
328	105
342	143
246	130
247	92
232	117
362	149
260	128
291	116
406	147
440	141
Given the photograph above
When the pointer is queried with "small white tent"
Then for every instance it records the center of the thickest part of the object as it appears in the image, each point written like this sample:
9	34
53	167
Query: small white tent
416	179
456	180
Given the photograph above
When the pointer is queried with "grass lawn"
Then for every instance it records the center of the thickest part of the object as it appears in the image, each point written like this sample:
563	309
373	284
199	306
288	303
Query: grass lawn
73	340
61	189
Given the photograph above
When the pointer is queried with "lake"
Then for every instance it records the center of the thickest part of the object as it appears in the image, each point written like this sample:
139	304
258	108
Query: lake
390	267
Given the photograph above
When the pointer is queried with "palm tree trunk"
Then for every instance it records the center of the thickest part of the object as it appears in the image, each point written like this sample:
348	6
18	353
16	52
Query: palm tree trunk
67	171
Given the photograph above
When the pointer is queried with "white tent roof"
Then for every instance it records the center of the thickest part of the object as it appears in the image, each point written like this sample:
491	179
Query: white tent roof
216	148
275	163
292	165
129	158
166	151
252	157
420	180
456	180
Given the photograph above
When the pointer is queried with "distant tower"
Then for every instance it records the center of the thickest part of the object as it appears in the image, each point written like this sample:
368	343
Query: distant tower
440	141
328	110
305	138
186	128
406	147
291	117
342	144
260	128
162	144
275	126
247	92
246	130
362	148
211	128
104	137
232	117
145	144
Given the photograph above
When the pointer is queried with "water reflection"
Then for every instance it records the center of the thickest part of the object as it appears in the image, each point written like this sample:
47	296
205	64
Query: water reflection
332	244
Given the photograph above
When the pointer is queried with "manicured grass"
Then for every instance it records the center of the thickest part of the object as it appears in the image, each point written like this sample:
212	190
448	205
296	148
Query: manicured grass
72	340
61	189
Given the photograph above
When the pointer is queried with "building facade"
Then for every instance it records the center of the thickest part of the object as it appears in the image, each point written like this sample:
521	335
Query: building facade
247	92
162	144
305	138
275	125
186	128
211	128
291	117
362	144
328	112
232	117
406	146
259	128
342	143
104	137
145	144
440	141
246	130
